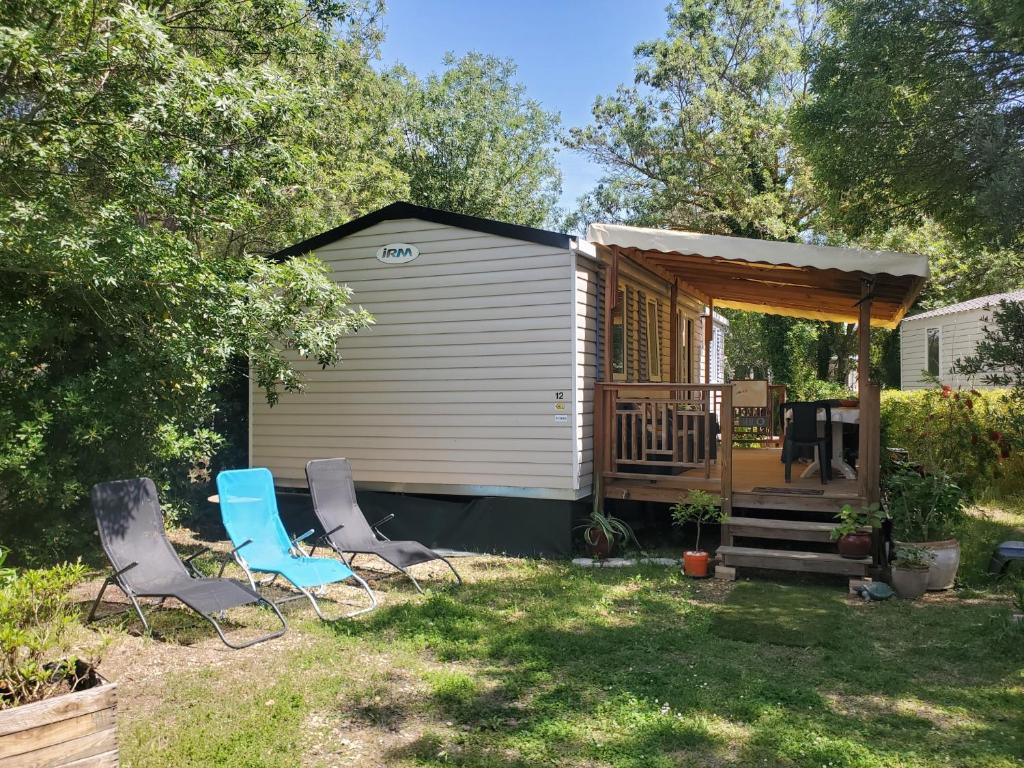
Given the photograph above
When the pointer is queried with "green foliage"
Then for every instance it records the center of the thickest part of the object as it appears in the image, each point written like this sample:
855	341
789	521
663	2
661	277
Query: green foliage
701	141
912	558
923	507
968	435
613	529
36	618
6	572
998	358
472	142
700	507
854	520
917	113
148	156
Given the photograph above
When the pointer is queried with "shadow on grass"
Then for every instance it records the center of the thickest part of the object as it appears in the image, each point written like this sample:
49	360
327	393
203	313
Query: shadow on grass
621	668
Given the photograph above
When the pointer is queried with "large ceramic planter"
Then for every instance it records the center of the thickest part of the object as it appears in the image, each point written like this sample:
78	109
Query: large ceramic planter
909	583
942	572
944	564
75	729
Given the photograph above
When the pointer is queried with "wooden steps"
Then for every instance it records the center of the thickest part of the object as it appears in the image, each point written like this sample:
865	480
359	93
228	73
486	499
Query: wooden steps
774	528
786	560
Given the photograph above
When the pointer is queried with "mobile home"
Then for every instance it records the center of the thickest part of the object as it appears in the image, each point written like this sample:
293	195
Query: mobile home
515	374
931	342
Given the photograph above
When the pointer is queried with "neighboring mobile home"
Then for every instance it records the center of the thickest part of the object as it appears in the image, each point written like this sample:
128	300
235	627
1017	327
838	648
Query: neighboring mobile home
514	373
931	342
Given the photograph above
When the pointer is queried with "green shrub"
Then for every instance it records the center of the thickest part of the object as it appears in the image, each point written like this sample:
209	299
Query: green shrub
970	436
36	619
926	507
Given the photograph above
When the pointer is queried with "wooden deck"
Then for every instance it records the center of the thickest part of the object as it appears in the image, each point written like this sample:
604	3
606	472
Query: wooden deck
758	482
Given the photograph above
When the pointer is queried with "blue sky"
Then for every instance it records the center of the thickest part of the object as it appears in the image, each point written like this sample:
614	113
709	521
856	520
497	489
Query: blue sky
567	51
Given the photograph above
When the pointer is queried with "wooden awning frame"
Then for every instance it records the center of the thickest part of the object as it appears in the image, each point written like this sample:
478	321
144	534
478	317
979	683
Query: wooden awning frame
805	292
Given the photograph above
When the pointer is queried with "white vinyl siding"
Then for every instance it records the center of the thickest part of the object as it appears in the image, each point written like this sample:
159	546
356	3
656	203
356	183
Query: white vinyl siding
959	334
587	286
454	386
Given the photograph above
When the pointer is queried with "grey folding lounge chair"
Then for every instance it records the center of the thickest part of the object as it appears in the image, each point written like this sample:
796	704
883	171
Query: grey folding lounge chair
346	528
145	564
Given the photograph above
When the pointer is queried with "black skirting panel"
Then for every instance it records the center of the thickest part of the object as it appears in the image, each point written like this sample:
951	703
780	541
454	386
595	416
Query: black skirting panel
495	524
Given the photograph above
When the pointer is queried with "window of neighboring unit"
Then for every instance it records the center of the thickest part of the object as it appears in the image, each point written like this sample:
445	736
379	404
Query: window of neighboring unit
934	340
619	336
653	341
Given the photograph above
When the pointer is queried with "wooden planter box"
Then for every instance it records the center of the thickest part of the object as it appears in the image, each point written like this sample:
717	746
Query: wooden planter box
76	729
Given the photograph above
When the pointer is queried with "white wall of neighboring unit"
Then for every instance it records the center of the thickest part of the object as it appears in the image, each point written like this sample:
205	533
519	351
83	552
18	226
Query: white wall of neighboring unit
475	379
959	334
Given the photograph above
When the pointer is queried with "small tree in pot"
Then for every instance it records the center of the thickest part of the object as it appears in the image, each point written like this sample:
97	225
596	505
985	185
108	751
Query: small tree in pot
928	511
853	534
700	507
910	571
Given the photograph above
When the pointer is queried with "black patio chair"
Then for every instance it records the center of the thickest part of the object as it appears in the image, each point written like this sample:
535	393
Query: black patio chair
346	528
145	564
802	431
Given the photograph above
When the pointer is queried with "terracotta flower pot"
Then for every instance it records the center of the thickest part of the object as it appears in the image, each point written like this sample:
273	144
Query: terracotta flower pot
909	583
695	564
601	547
855	545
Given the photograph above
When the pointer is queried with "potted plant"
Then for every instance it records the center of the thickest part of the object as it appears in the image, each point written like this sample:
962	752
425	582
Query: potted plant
602	532
700	507
50	699
853	534
910	571
928	511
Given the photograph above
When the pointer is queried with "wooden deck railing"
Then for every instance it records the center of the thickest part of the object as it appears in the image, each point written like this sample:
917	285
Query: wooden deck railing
651	430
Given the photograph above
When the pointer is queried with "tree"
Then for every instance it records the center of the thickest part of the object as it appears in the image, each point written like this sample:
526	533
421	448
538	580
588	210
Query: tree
999	356
919	112
473	143
701	140
148	153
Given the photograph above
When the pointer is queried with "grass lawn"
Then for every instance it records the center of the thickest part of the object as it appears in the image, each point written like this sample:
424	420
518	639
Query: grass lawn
540	663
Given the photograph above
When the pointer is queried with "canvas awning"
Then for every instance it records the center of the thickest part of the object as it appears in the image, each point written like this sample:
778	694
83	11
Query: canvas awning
794	279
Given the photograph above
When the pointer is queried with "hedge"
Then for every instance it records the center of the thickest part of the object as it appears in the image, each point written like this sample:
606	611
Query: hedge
975	437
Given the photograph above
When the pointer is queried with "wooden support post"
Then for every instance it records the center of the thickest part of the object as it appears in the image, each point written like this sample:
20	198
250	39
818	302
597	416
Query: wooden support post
725	457
868	445
864	336
709	332
673	335
611	279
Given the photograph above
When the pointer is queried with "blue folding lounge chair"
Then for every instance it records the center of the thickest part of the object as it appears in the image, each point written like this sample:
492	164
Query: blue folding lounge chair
248	508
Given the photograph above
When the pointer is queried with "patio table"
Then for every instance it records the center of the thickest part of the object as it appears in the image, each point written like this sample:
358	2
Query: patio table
840	415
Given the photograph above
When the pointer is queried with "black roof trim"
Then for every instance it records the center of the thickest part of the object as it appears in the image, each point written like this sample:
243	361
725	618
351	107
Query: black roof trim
403	210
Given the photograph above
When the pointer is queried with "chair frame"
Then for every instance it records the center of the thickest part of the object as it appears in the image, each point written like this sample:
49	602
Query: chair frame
297	551
325	540
115	579
822	444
